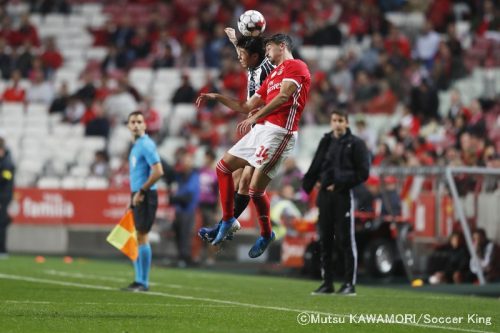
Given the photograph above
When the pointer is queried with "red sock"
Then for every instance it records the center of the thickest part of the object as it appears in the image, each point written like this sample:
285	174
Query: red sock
226	189
261	202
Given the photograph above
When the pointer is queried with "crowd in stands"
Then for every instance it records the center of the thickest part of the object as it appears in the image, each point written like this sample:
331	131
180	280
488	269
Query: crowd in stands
395	68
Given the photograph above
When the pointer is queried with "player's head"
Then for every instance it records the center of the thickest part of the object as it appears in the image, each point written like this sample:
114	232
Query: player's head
136	124
251	51
277	46
339	122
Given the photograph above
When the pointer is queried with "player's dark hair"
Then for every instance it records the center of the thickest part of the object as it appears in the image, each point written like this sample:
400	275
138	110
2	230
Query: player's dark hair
340	113
253	45
135	113
281	38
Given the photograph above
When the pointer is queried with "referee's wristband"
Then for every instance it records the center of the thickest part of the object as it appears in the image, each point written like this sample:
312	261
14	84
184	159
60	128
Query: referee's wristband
142	191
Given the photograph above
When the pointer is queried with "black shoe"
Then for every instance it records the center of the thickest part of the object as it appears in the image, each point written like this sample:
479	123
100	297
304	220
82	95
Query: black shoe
324	289
347	289
136	287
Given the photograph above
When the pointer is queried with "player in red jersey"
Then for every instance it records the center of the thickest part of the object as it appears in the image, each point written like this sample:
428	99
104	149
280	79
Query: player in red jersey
281	99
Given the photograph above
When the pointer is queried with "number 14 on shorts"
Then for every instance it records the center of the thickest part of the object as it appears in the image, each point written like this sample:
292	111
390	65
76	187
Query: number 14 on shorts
262	154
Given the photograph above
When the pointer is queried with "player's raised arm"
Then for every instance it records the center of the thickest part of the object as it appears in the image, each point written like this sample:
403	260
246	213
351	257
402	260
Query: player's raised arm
234	104
231	34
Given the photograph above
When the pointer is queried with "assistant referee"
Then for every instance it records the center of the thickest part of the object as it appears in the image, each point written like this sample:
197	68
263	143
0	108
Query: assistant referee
145	169
341	162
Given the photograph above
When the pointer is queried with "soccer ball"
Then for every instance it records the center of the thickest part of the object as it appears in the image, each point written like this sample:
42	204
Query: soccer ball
251	23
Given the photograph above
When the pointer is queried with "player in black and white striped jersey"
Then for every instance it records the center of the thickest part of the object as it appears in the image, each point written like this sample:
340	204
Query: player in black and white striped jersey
252	57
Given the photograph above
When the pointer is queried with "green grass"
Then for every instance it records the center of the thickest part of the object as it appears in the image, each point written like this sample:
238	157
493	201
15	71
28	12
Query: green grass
83	297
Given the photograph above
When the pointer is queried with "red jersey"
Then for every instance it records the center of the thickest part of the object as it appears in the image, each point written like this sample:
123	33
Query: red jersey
288	114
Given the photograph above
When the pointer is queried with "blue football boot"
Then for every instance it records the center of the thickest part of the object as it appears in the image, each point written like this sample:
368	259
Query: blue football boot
261	245
226	229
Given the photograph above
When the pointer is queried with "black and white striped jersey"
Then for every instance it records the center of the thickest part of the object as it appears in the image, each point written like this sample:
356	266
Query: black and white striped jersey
257	75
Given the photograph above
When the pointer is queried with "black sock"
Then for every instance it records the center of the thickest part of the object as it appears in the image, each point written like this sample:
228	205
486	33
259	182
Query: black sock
240	203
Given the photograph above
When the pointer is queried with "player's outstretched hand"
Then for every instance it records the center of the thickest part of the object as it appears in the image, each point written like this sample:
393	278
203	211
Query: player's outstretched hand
231	34
203	97
245	125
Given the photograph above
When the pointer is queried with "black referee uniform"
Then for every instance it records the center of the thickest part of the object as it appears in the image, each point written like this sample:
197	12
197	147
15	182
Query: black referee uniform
343	162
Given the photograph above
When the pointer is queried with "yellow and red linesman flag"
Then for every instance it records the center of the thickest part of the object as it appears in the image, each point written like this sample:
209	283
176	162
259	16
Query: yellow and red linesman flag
124	237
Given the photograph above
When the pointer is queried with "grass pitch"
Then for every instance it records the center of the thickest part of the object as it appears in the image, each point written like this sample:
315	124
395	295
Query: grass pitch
84	296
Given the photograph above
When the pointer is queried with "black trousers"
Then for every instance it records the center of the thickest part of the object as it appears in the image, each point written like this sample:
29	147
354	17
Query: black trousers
183	227
336	229
4	223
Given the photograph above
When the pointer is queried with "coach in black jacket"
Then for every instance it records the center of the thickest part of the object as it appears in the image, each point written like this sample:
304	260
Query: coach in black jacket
340	163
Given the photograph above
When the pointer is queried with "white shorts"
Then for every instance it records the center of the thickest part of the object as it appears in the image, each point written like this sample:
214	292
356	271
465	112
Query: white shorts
265	147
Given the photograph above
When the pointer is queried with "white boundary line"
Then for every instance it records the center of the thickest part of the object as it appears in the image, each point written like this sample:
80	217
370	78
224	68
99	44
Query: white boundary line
213	300
117	279
120	303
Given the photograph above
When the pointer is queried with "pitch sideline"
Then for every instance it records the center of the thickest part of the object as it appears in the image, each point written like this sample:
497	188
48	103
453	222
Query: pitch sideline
212	300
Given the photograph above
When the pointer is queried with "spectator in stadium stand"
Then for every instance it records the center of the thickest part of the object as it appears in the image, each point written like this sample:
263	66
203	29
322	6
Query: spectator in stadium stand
145	170
476	124
166	60
185	200
456	105
185	93
23	57
340	163
427	44
397	43
49	6
487	20
14	92
60	103
74	110
120	103
152	116
100	124
449	263
115	59
51	57
103	89
365	194
209	199
443	66
364	89
40	91
100	165
384	102
290	174
366	133
424	101
6	63
129	87
369	59
166	40
124	32
382	154
6	193
342	80
488	254
141	44
391	199
88	91
27	31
